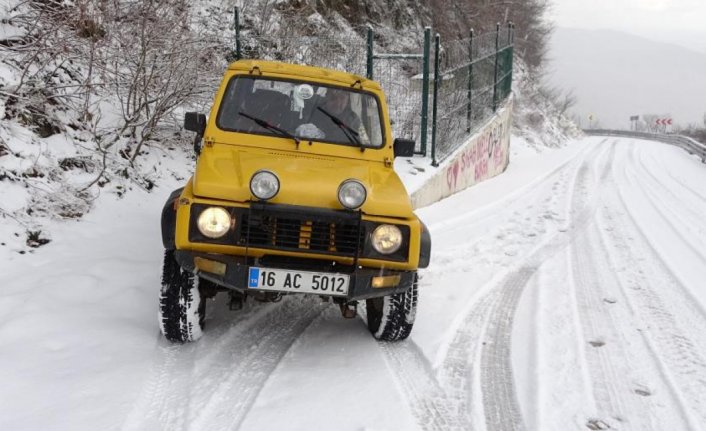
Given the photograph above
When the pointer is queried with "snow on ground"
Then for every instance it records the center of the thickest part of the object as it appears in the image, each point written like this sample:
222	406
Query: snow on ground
563	294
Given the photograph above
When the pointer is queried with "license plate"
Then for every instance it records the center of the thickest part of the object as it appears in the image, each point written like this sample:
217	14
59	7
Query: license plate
322	283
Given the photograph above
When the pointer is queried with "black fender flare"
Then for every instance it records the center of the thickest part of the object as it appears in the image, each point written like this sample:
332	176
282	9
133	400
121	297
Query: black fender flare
424	246
169	220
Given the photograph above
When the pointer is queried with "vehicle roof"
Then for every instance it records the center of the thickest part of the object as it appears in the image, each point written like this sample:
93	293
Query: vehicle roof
306	71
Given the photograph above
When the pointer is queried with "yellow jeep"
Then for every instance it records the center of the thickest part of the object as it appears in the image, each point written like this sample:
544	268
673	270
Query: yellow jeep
294	192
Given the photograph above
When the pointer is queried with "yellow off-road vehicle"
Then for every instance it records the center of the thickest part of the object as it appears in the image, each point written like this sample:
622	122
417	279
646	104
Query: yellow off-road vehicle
294	192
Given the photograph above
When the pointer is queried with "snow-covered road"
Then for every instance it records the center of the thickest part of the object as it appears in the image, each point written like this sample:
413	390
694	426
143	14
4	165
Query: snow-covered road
567	293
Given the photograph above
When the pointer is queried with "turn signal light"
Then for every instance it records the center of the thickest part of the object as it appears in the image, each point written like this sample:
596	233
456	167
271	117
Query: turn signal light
386	281
212	266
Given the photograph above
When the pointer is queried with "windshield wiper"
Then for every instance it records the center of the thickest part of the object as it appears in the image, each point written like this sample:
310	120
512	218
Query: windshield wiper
347	130
264	124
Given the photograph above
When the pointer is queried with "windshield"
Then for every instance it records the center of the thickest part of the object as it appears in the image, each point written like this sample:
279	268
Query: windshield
307	111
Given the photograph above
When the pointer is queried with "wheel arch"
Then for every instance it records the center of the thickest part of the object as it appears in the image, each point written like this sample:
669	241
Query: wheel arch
169	220
424	246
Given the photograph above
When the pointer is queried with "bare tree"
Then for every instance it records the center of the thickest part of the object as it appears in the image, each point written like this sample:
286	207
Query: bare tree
454	19
562	100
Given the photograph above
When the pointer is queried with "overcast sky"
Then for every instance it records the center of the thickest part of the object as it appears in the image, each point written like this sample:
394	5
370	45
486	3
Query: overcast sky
677	21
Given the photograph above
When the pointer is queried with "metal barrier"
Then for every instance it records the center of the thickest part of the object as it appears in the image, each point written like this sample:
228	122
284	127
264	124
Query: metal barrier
688	144
405	79
472	79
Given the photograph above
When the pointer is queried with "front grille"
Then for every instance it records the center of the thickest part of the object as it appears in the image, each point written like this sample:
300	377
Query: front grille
315	233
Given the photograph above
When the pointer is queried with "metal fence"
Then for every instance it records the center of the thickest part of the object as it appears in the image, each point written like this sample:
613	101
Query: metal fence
472	78
688	144
468	81
405	79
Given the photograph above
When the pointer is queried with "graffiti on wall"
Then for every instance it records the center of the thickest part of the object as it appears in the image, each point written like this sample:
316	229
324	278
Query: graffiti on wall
484	156
480	159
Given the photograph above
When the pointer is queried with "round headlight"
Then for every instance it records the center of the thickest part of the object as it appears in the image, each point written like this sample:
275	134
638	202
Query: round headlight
264	185
352	194
213	222
387	239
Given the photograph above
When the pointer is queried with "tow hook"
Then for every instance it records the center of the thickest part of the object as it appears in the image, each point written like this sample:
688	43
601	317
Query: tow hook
349	310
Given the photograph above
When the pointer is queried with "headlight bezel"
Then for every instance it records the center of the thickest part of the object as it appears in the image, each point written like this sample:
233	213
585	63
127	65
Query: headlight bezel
259	174
395	230
227	223
346	184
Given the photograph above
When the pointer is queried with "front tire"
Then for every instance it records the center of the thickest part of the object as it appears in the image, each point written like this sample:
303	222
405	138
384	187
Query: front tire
390	318
181	308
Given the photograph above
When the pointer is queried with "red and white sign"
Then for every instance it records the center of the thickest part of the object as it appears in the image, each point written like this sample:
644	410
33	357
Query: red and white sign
664	121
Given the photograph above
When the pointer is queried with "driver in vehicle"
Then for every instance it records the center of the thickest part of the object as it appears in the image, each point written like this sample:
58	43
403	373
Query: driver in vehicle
336	119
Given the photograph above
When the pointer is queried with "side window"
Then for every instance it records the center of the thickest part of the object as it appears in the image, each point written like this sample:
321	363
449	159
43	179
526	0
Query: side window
371	121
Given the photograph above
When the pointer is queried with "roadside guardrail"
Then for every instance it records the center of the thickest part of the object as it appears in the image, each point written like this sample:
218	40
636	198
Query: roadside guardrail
690	145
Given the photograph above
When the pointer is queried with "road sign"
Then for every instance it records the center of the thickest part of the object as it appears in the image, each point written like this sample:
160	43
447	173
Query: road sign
635	118
664	121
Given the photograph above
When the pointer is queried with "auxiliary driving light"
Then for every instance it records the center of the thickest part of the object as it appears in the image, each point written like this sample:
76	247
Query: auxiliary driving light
352	194
264	185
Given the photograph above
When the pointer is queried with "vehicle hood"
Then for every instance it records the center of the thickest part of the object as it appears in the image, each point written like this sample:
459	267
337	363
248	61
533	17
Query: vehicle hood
224	171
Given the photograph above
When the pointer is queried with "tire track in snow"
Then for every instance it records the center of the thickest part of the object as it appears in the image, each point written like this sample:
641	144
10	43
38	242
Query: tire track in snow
500	404
461	369
613	382
485	335
432	407
630	178
660	165
608	357
664	200
586	279
650	312
217	390
667	309
164	400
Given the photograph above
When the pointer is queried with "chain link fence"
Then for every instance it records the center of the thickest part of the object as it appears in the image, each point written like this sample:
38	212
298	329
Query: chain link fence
405	80
473	77
402	81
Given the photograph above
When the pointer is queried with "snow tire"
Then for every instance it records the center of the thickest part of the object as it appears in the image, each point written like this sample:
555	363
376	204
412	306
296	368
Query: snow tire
390	318
181	308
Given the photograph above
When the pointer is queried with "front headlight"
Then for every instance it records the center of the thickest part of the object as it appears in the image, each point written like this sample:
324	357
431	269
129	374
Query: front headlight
386	239
264	185
352	194
214	222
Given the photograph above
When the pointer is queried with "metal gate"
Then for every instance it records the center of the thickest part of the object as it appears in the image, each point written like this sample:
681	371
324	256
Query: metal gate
405	80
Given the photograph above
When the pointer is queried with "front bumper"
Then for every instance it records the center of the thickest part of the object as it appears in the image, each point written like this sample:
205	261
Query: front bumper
236	273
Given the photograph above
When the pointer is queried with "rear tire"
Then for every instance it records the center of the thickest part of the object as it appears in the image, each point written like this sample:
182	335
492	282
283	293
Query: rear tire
181	308
390	318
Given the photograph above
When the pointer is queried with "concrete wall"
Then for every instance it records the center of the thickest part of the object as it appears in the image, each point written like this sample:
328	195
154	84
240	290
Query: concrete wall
485	155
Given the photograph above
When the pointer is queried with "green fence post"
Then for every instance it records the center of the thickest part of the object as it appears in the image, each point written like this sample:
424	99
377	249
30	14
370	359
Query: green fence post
236	25
507	64
512	52
437	43
469	109
425	90
370	52
495	85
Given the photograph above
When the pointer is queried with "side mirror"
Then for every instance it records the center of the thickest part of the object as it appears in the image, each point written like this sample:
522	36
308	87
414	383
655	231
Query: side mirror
403	147
195	122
